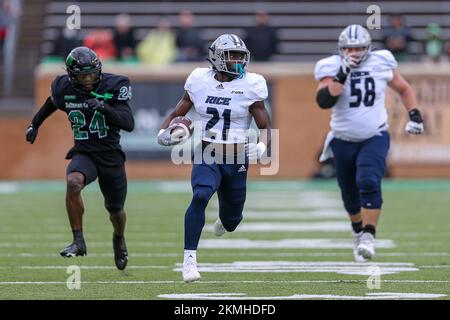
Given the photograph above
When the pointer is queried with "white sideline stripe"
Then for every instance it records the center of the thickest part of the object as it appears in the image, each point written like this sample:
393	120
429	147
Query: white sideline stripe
292	200
436	266
81	267
325	226
93	255
300	204
243	296
351	268
224	281
287	244
226	254
296	196
90	244
314	243
8	188
278	214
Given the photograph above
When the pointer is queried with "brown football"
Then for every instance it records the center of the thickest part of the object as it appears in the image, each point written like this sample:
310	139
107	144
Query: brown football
183	128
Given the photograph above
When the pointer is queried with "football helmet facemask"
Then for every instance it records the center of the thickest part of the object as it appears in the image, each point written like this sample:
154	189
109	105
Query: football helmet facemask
223	58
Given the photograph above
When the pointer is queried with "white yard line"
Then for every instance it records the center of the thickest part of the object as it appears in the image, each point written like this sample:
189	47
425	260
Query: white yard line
221	282
323	226
287	244
226	254
81	267
349	268
243	296
108	244
292	214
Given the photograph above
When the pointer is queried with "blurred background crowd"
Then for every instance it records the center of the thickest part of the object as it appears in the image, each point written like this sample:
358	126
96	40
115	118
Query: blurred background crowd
285	39
179	37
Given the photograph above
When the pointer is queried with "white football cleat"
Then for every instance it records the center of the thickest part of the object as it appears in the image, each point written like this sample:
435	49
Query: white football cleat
190	272
366	247
356	241
219	229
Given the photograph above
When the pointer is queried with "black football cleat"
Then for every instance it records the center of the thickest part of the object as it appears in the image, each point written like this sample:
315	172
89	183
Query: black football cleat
74	249
120	252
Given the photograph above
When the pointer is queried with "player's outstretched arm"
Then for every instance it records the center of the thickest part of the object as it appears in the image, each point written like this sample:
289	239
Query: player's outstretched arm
409	100
183	106
118	114
262	120
44	112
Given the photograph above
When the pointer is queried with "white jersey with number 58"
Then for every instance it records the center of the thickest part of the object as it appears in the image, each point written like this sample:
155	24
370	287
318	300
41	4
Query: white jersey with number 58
360	112
224	106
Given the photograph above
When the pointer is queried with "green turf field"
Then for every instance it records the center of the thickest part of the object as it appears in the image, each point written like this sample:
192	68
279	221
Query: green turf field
294	243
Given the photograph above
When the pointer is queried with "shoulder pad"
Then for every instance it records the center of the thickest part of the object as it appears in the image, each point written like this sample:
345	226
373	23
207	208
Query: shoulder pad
58	89
256	87
386	58
115	87
196	75
327	67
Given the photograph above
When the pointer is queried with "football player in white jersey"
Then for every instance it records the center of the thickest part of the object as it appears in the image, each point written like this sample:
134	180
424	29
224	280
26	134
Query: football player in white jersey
226	97
353	85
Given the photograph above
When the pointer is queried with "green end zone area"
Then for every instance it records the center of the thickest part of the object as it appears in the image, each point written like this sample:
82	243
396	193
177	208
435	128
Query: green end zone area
294	243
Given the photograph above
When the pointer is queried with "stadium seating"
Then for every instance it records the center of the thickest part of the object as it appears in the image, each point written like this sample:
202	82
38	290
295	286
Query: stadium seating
307	30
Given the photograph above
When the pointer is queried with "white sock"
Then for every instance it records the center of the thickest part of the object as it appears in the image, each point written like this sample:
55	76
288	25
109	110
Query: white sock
190	254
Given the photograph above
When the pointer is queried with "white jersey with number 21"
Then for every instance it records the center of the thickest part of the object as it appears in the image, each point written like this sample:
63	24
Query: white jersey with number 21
360	112
224	106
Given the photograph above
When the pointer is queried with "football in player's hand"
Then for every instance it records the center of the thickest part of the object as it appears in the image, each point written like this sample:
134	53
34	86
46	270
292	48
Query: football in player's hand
182	128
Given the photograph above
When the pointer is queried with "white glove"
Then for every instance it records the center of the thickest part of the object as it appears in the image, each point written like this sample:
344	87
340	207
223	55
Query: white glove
165	138
415	123
414	127
255	151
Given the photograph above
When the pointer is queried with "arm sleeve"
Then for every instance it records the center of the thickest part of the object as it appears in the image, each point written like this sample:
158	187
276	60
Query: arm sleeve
44	112
119	114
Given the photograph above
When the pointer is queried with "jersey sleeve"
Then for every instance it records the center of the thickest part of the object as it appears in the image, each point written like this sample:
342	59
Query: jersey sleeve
327	67
195	77
387	59
257	90
57	91
386	62
121	89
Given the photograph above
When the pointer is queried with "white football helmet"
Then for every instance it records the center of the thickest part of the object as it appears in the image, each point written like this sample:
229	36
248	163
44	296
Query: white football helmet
219	55
355	36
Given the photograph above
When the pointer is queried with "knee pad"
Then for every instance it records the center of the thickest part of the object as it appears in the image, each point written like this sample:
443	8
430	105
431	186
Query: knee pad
202	194
113	209
230	213
370	192
352	204
352	207
230	224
